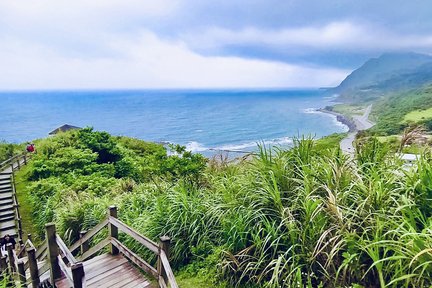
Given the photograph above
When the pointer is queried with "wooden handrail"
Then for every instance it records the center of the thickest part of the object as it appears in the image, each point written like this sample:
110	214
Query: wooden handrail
135	235
65	269
135	258
88	235
63	248
16	206
11	160
168	271
40	253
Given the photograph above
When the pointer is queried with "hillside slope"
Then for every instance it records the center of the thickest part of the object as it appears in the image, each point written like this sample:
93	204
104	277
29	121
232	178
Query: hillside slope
391	72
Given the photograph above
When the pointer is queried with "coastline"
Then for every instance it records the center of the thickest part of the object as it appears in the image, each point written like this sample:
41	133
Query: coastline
352	127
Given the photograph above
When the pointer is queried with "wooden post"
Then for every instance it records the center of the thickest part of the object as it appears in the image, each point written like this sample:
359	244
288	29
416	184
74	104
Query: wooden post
164	244
113	230
3	264
34	271
85	244
25	159
21	273
53	251
11	257
78	275
18	163
29	237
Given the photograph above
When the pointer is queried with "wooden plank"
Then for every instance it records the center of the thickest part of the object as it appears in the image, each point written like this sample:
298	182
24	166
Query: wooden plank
135	258
138	237
104	271
41	250
88	235
167	267
115	279
65	269
138	284
62	246
120	272
103	257
95	249
97	266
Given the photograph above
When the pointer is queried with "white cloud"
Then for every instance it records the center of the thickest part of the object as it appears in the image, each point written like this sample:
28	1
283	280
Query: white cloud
345	35
145	62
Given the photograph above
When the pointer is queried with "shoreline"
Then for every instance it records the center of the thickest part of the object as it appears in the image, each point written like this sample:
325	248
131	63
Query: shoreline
352	127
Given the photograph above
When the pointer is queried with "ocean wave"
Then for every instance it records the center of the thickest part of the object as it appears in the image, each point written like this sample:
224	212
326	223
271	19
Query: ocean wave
311	111
196	147
254	144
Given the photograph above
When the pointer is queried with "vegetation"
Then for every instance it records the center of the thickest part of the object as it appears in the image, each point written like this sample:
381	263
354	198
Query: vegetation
390	112
304	217
7	150
349	109
418	115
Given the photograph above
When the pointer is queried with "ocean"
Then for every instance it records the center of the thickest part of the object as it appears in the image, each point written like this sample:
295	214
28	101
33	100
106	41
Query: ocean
202	120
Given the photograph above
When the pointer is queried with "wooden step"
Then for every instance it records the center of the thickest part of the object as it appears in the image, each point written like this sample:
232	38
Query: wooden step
7	225
6	219
10	232
6	189
5	195
6	208
6	202
7	213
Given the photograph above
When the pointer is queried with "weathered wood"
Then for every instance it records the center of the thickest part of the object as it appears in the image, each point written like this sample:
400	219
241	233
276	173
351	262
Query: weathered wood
33	267
135	258
112	229
11	258
138	237
84	244
78	275
88	235
53	251
42	250
95	249
3	263
63	248
21	273
164	245
65	269
168	271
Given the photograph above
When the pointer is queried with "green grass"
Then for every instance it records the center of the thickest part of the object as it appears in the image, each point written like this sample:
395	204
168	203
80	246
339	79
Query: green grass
331	141
349	109
418	115
25	206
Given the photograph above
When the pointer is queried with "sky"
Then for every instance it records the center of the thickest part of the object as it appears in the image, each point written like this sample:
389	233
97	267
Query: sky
132	44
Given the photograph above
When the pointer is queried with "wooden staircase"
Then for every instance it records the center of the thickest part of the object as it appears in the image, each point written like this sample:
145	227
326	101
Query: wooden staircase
7	209
10	219
56	265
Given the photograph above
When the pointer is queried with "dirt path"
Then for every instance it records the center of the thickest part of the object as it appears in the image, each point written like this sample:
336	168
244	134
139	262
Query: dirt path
361	123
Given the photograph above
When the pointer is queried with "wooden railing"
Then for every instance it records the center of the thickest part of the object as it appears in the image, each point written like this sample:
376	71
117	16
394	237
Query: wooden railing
15	161
16	208
62	259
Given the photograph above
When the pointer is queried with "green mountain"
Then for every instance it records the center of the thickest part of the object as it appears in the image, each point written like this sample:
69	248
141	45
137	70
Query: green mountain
391	72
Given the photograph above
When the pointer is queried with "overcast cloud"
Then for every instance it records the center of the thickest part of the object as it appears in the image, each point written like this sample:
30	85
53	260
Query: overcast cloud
58	44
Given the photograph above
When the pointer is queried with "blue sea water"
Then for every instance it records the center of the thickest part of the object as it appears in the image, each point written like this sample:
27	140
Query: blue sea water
199	119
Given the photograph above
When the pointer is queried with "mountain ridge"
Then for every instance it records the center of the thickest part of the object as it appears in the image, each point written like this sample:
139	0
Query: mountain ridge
387	73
